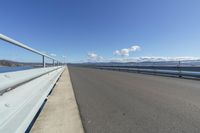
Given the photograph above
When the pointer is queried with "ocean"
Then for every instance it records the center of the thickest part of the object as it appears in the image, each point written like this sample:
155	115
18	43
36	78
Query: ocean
12	69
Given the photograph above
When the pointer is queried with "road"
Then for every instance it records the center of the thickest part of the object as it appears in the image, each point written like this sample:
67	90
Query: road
120	102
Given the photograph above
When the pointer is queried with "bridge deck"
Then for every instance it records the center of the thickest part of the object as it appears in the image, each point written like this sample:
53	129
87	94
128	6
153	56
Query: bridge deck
120	102
60	114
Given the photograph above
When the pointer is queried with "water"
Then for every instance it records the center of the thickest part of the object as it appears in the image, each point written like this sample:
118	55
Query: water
12	69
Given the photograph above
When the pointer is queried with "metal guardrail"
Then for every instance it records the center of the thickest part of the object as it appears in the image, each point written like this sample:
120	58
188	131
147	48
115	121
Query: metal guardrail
22	93
19	106
12	79
19	44
193	72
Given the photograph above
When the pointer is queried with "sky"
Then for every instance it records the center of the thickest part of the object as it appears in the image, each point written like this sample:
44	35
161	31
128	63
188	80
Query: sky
101	30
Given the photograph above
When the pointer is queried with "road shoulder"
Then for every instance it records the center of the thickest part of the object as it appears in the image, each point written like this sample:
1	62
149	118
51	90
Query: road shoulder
60	114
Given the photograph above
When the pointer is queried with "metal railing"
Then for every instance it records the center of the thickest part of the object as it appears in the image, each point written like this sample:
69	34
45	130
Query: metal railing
178	68
28	91
12	79
22	93
179	72
19	44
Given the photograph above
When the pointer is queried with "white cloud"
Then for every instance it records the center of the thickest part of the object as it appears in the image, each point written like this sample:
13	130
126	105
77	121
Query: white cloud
52	54
126	51
93	57
135	48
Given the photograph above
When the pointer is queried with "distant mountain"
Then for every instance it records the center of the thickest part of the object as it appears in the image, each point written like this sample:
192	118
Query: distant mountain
9	63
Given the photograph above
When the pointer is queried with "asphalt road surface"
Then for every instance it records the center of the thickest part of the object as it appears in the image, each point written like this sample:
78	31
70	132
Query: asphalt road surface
120	102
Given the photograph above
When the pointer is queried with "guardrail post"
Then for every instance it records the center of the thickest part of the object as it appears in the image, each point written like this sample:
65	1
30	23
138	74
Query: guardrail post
137	68
53	62
179	67
43	61
154	68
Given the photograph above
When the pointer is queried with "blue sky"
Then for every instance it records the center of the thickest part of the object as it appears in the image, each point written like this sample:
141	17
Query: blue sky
161	28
